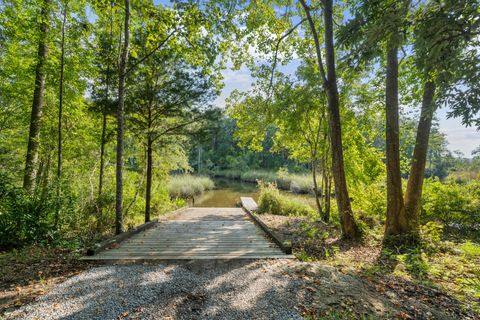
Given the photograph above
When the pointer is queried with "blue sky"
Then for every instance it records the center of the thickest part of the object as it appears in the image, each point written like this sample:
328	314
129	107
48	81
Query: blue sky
459	137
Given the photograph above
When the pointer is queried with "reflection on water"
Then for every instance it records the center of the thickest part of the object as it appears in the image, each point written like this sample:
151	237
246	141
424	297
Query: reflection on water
227	193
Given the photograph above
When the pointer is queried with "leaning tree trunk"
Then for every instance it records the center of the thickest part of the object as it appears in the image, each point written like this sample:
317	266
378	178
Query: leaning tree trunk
37	104
148	191
397	222
60	116
350	229
413	194
121	122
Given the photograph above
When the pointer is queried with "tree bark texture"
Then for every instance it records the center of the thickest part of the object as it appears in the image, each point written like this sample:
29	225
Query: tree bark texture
396	222
148	191
60	118
349	227
413	195
37	104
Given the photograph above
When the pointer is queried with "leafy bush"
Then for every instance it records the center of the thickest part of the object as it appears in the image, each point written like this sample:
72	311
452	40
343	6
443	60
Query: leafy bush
370	201
25	218
186	186
470	249
451	203
271	201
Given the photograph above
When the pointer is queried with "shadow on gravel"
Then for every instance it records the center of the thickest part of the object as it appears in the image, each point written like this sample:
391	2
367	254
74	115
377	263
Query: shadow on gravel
236	289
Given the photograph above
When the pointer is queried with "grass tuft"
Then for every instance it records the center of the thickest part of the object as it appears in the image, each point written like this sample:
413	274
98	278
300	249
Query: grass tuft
271	201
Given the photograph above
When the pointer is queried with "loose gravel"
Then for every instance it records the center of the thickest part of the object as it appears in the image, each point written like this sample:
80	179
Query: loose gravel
208	290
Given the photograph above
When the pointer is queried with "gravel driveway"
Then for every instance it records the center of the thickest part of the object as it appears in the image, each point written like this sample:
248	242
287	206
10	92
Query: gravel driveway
209	290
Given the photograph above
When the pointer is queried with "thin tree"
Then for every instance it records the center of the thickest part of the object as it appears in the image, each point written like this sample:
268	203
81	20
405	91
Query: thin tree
60	115
121	122
350	229
105	109
166	103
37	104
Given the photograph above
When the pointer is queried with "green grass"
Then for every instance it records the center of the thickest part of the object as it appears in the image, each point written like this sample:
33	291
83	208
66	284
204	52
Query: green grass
187	186
272	201
470	249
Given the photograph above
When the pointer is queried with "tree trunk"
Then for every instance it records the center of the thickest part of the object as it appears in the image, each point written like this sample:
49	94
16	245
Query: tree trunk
396	223
326	178
328	193
413	194
43	177
103	142
104	122
349	227
315	189
60	116
121	122
148	192
37	104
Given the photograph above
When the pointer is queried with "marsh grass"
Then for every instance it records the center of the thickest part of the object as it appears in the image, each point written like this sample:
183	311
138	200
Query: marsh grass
294	182
187	186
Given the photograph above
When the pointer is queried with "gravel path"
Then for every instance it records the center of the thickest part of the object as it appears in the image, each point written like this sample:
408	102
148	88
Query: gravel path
209	290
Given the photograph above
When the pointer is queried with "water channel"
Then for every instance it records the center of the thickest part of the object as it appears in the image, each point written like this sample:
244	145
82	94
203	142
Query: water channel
227	193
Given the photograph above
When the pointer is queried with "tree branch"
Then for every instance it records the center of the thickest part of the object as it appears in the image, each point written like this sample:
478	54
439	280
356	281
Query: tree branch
151	52
277	46
313	29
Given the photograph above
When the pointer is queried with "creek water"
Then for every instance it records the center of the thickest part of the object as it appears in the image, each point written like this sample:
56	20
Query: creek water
227	193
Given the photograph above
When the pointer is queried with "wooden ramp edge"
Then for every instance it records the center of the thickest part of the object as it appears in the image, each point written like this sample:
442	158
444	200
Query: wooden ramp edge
251	207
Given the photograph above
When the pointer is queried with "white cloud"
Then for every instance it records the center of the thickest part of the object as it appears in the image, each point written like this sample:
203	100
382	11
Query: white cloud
234	80
459	137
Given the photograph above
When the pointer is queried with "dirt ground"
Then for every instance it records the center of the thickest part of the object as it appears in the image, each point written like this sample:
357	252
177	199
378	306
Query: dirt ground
29	273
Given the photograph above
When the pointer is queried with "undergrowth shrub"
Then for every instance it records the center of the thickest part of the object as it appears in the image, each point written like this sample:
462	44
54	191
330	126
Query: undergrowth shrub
271	201
371	202
26	218
431	235
453	204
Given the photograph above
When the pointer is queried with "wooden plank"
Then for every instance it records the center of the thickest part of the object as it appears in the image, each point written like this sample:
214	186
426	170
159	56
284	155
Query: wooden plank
119	238
198	233
249	204
187	252
193	257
